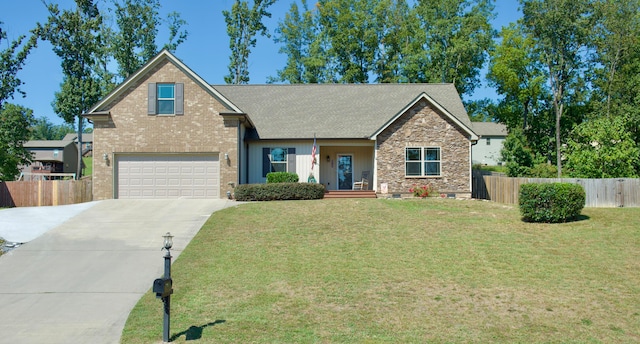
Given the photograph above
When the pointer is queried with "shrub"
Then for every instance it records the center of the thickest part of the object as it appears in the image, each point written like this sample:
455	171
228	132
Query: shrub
551	202
282	177
422	191
279	191
543	170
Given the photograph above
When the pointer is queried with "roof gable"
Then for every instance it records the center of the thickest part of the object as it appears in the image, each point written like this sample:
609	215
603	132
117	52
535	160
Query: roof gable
164	55
458	121
338	111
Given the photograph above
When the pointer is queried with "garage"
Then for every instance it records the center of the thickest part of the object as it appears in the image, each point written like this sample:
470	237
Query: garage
167	176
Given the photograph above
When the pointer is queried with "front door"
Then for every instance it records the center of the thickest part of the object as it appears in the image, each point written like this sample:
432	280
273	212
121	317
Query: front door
345	171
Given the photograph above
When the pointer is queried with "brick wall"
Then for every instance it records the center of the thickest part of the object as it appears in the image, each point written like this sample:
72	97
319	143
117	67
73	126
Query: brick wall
130	130
422	126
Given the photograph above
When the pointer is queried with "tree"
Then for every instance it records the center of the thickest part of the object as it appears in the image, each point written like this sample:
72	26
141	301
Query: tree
302	43
517	156
243	24
15	121
397	24
133	42
456	36
43	129
352	31
559	29
518	76
177	36
603	148
11	61
76	39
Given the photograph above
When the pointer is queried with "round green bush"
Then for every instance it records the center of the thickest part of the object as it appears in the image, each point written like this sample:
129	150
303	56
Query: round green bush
551	202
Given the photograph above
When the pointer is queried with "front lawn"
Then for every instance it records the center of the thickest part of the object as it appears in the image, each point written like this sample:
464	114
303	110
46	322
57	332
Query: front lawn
401	271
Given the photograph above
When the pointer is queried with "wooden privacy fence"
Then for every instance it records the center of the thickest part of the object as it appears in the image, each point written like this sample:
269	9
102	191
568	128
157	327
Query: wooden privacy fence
45	192
614	192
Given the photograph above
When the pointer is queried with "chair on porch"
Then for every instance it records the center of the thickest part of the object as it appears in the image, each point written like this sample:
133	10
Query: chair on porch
363	184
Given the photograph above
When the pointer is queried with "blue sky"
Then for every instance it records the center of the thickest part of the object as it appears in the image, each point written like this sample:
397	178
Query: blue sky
206	50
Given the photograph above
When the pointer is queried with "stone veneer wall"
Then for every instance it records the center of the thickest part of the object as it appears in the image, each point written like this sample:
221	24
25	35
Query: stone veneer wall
422	126
130	130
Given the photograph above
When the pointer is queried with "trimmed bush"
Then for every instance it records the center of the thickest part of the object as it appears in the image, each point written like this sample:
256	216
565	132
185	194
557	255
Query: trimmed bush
551	202
282	177
279	191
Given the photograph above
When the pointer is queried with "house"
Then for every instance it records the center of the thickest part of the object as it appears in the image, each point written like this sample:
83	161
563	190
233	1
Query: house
490	142
87	142
166	133
51	156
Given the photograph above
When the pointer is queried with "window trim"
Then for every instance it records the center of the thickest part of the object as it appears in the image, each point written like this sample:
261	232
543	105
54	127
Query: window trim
285	162
178	99
423	161
161	99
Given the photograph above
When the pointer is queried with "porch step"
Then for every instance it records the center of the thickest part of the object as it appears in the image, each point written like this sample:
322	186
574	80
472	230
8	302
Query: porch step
350	194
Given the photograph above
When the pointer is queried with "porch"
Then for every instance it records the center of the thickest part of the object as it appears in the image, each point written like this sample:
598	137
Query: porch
350	194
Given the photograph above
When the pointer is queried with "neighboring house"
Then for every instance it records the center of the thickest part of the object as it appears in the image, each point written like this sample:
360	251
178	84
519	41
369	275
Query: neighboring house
166	133
52	156
87	142
491	139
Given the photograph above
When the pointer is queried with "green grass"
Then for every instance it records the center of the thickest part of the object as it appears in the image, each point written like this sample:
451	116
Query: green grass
401	271
88	166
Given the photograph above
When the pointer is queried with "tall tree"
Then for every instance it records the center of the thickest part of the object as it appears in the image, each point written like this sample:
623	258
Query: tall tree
43	129
302	43
559	29
177	35
133	42
15	121
75	38
352	30
243	24
397	27
517	75
11	61
456	37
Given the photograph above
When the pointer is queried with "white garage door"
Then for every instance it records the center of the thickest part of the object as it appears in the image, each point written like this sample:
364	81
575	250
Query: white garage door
168	176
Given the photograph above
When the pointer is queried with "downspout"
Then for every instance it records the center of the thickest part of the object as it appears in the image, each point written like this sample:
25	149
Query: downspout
473	143
239	167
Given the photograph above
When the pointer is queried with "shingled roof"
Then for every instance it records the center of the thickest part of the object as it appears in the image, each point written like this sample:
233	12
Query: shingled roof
333	111
490	129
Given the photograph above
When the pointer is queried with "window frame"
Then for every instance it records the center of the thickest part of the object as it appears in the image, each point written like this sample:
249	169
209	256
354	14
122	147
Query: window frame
160	99
285	162
425	161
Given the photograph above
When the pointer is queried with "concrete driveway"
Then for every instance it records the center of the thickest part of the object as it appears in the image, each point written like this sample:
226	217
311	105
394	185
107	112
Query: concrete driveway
77	282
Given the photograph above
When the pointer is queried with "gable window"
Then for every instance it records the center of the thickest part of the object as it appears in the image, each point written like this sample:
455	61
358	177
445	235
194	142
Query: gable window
166	99
422	162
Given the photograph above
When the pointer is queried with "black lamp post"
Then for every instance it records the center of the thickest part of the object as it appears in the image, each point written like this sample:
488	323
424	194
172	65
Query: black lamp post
163	287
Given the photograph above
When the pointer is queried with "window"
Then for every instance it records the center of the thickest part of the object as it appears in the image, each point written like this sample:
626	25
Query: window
422	162
279	159
488	141
166	99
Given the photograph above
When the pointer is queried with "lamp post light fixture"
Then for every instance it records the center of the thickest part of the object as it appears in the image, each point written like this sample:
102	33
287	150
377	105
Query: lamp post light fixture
163	287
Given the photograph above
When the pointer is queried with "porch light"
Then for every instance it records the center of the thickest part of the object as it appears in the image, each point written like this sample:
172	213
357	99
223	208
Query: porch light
105	157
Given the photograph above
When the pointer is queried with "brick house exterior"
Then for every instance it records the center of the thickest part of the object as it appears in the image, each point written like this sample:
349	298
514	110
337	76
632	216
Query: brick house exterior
219	136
